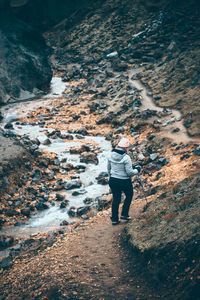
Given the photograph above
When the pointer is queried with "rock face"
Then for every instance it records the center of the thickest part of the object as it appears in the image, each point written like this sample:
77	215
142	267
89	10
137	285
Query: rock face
25	68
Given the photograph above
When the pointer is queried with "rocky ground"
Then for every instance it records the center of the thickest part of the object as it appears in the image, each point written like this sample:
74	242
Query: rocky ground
156	257
164	39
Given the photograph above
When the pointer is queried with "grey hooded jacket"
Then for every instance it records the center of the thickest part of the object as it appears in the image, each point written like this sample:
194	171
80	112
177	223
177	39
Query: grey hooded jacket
120	165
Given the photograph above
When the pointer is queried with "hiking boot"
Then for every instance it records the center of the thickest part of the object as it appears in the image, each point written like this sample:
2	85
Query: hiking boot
127	218
115	222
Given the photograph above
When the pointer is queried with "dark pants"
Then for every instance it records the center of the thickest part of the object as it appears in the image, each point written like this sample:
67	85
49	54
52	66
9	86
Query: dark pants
117	187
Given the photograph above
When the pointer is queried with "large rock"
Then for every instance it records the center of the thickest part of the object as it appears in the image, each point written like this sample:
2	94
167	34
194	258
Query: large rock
5	241
23	59
89	158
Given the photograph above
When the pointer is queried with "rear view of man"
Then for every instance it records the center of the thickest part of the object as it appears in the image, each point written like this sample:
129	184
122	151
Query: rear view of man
120	171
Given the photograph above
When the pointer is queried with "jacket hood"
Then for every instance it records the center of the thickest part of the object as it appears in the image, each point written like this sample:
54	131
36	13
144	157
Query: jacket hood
117	155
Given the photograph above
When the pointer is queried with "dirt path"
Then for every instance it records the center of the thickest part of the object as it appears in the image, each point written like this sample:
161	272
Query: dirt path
88	263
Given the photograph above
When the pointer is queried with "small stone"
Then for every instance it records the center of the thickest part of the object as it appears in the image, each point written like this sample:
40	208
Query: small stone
25	211
63	204
153	156
141	156
112	54
64	223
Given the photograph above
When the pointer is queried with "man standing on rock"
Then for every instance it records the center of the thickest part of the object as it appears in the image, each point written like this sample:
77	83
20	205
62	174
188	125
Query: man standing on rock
120	171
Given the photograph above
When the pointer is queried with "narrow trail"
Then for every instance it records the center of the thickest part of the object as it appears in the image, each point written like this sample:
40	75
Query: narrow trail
88	263
170	120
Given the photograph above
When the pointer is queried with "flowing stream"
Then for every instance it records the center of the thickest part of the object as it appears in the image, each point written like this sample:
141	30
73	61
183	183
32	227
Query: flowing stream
51	218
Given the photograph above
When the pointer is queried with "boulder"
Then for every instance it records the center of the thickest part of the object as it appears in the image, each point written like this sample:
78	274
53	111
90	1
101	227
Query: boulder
72	212
89	158
59	197
83	210
41	206
73	184
5	241
79	192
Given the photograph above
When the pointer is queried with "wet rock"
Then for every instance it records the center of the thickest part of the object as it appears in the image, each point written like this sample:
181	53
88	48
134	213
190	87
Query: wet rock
46	142
59	186
102	202
81	167
54	134
41	206
89	157
6	241
56	162
74	184
25	211
33	148
64	204
81	131
35	141
74	151
72	212
9	126
79	136
60	197
79	192
67	136
85	148
83	210
101	179
64	223
88	200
